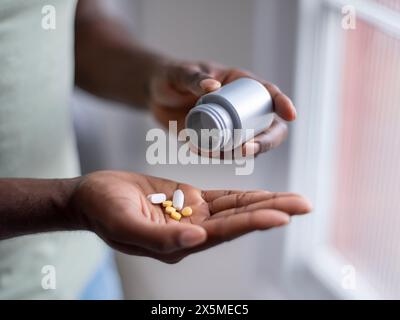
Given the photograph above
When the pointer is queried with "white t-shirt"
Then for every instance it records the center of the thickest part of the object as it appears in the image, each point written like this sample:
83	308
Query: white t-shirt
37	141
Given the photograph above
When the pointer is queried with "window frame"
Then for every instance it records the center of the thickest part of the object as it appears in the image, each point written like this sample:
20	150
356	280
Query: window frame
310	263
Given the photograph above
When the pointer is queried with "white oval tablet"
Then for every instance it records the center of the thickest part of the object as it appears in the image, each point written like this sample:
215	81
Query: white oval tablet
178	199
157	198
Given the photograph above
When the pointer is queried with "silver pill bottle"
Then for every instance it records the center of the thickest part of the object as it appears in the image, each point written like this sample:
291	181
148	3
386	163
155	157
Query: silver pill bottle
233	114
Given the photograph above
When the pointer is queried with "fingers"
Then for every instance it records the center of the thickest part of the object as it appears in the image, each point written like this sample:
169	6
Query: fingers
164	238
231	199
235	203
233	226
222	230
211	195
218	231
209	85
201	78
282	104
194	79
168	95
291	205
267	140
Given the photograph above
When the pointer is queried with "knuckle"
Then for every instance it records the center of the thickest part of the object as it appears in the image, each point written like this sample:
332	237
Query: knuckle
274	195
195	76
206	66
185	71
274	89
268	145
241	197
240	72
237	198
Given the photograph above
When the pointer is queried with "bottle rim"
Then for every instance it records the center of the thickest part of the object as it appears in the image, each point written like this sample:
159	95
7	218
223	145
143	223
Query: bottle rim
220	118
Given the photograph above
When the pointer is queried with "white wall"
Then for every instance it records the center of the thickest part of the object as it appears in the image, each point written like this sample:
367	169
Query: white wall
252	34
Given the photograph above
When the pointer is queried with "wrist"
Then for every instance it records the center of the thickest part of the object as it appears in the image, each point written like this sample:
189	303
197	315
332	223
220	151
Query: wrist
67	202
157	65
30	206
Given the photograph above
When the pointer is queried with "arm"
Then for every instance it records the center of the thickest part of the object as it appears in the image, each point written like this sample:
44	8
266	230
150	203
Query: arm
114	206
33	206
112	64
109	61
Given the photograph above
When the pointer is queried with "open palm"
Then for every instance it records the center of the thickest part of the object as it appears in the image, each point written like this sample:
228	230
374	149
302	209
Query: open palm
114	205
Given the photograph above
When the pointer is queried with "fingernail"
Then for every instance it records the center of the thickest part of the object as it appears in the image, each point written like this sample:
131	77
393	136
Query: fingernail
210	84
191	238
307	206
294	113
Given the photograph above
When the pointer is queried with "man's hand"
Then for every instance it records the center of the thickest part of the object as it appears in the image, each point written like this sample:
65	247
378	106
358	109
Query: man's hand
114	205
175	88
111	64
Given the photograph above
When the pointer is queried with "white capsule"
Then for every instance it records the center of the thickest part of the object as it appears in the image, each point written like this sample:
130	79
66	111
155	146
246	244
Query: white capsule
178	199
157	198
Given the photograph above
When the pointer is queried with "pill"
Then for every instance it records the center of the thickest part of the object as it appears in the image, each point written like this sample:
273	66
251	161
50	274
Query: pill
187	211
170	210
178	199
176	216
157	198
167	203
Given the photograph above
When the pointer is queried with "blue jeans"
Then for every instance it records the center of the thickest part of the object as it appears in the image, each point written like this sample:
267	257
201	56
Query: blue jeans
105	284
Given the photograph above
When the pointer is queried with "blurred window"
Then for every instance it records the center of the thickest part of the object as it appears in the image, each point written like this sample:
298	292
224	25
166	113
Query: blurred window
346	150
392	4
366	210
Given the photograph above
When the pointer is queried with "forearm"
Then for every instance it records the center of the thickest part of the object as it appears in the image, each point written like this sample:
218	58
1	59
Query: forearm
109	62
31	206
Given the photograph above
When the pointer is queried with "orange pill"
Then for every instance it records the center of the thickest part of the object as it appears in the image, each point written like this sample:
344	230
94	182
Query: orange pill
176	216
170	210
187	211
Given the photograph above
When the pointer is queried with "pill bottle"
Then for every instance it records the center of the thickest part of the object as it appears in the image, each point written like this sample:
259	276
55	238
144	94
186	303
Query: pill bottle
233	114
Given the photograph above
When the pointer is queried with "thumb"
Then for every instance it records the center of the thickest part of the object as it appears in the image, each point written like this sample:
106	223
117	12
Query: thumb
196	81
167	238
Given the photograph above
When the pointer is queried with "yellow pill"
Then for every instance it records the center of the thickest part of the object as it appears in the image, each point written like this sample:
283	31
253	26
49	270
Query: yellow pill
170	210
187	211
167	203
176	216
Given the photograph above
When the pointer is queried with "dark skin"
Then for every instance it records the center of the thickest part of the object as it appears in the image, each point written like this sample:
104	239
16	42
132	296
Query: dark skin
111	64
114	205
